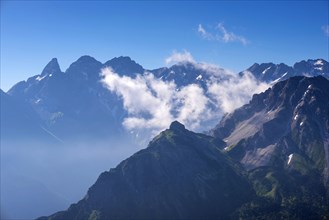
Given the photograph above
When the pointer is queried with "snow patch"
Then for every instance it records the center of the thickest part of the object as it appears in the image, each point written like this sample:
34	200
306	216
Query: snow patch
318	62
226	148
280	78
37	101
296	116
289	158
39	78
199	77
306	92
266	70
50	75
319	68
301	123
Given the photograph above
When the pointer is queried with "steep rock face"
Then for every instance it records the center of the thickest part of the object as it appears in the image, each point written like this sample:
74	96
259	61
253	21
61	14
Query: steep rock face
285	127
281	138
181	175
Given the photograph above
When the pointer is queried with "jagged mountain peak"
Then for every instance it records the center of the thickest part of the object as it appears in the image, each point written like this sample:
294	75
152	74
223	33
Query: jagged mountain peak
84	61
85	67
121	59
51	68
125	65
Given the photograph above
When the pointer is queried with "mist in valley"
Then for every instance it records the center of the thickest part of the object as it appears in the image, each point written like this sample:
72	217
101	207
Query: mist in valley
39	179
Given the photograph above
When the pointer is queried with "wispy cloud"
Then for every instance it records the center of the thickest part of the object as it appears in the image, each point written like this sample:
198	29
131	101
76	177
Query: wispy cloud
326	30
220	33
204	34
202	31
177	57
230	36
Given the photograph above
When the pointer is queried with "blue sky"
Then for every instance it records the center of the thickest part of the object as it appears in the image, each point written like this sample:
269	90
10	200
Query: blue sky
231	34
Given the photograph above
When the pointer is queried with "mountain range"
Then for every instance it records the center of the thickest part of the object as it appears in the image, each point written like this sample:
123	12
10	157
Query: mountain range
75	103
266	160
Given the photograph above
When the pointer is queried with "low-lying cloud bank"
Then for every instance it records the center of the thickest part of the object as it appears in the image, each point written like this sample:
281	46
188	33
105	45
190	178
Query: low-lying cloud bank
153	104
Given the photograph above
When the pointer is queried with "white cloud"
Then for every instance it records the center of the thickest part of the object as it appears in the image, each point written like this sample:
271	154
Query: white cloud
326	30
147	99
235	91
152	104
177	57
193	107
220	33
